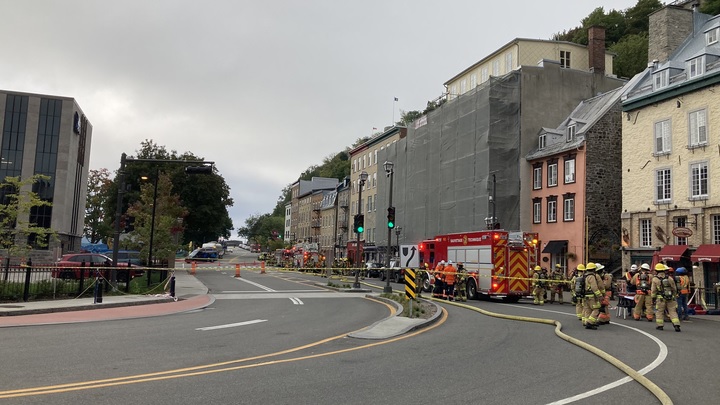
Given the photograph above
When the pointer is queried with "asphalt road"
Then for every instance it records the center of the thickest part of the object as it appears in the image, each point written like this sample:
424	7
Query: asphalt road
277	338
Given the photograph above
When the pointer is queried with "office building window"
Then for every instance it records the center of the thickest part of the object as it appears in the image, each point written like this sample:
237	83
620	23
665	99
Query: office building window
537	210
541	142
663	183
537	177
552	209
565	59
569	171
661	79
646	232
662	137
695	67
715	221
552	179
699	180
569	208
698	128
570	133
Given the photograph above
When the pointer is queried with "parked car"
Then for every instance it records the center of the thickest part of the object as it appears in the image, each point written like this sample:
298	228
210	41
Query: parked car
76	262
130	256
374	269
202	254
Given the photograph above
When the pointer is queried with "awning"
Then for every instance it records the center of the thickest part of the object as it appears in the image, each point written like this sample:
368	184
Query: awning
672	253
555	246
706	253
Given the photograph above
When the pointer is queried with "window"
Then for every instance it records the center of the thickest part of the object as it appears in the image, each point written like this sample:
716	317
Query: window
552	210
453	92
698	128
369	204
537	210
662	137
646	232
570	171
508	61
696	67
463	86
711	36
565	59
698	180
552	179
715	221
569	207
496	67
541	142
375	201
473	81
663	183
537	177
661	79
483	75
570	133
680	222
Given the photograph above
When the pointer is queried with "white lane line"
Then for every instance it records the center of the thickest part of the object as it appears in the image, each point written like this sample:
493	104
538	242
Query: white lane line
296	301
662	355
232	325
257	285
267	292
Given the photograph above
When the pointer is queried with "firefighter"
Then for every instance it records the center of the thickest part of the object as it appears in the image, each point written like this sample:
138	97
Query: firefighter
682	283
450	276
631	288
577	283
607	284
439	286
558	284
461	284
539	279
664	294
420	277
642	281
591	299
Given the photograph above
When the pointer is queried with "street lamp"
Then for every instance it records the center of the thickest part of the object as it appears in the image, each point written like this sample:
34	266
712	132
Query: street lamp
389	172
358	255
491	220
397	235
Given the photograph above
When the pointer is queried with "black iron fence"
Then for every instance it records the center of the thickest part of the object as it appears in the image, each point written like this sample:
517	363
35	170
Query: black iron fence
28	282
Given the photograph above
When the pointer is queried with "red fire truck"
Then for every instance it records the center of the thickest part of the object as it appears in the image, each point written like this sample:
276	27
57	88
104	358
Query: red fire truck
499	263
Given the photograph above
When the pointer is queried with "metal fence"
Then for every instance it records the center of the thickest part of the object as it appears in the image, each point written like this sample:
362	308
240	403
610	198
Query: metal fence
25	283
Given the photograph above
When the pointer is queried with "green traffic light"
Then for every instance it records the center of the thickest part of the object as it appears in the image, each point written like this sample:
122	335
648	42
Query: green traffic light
391	224
360	229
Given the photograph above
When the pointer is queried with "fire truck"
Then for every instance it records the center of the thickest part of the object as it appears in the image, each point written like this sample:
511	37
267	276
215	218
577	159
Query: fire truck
498	263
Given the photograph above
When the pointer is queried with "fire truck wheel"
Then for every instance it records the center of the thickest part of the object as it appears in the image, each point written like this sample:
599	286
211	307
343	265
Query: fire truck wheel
472	292
427	287
398	277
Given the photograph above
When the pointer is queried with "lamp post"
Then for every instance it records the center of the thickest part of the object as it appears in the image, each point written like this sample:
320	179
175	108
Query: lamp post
389	172
358	255
397	235
490	221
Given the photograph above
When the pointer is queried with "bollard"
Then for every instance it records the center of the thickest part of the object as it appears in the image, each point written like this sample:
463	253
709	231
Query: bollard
237	271
262	267
193	267
98	290
172	286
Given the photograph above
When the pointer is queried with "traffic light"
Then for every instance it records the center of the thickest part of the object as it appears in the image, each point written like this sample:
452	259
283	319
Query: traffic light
391	217
359	224
198	170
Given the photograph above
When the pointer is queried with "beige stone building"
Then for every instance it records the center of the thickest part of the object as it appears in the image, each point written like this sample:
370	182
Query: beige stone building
671	160
531	52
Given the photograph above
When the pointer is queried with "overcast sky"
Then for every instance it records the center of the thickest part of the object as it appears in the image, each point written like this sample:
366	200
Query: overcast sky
263	88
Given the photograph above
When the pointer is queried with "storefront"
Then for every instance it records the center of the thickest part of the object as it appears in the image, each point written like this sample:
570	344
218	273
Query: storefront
707	258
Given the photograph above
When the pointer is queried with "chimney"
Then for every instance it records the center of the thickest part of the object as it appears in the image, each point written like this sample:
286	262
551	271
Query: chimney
669	27
596	49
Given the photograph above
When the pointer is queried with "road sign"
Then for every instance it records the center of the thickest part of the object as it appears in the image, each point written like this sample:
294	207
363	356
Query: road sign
409	256
410	286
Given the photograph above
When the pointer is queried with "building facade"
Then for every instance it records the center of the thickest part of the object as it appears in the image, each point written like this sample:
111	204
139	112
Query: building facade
671	205
48	135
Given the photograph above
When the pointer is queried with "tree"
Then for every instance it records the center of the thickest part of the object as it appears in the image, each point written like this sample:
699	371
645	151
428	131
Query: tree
169	214
18	235
96	228
632	53
407	117
711	7
637	17
260	229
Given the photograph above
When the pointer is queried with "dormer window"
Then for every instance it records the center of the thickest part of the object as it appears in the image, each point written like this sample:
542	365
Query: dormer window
661	79
695	67
711	36
570	133
541	142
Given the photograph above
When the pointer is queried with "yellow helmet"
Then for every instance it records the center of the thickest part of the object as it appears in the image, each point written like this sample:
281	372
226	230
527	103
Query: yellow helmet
580	267
660	267
537	268
590	267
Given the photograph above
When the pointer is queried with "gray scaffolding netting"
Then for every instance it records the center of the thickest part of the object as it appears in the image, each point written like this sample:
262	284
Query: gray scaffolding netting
444	166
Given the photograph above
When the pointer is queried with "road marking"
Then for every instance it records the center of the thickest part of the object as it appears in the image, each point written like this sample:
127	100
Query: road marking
257	285
296	301
232	325
662	355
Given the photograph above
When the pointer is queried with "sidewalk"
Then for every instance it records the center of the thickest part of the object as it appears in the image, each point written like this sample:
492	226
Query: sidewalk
190	294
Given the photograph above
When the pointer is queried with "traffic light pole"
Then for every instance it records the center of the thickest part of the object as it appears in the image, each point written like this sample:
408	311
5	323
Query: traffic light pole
358	255
387	288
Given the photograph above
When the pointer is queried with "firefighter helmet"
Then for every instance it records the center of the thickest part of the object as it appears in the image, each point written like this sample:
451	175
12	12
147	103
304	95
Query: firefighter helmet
633	268
599	266
580	267
660	267
537	268
590	267
645	266
680	270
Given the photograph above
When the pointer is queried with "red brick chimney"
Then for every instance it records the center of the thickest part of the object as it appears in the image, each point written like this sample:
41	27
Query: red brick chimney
596	49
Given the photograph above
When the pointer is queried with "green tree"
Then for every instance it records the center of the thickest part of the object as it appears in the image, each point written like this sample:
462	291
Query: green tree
637	17
260	229
96	228
632	53
407	117
711	7
18	235
169	214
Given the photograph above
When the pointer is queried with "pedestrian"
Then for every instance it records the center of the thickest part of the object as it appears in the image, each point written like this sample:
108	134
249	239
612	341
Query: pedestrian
438	274
682	282
450	275
642	281
591	300
539	280
607	285
664	293
461	284
558	284
577	283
